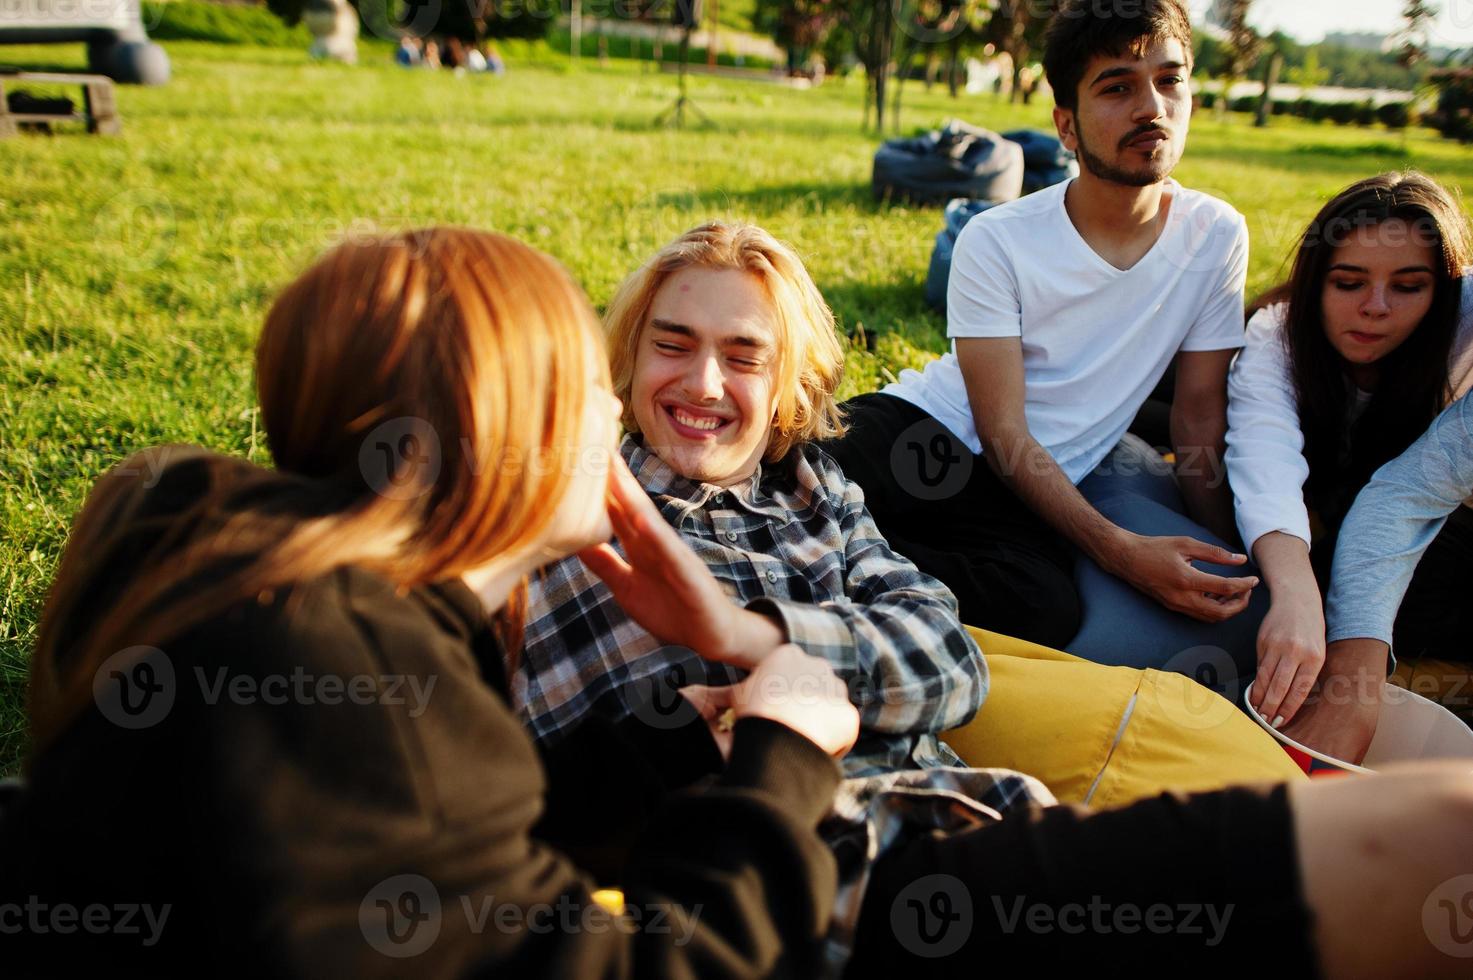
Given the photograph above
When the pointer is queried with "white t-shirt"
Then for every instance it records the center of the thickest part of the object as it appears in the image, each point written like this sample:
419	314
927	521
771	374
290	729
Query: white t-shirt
1096	339
1265	446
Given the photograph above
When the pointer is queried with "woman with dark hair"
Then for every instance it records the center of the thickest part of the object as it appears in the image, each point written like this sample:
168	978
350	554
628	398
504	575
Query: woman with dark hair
1349	363
268	706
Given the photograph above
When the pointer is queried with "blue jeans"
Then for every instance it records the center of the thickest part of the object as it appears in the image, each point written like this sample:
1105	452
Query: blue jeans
1135	488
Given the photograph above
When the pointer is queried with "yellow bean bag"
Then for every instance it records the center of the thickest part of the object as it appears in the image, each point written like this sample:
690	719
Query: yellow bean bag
1108	736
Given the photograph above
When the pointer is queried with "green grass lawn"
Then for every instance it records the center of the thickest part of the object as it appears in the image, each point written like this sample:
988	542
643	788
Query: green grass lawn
135	270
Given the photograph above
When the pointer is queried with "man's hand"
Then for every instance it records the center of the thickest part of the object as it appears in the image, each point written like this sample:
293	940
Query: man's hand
1161	567
667	589
1291	652
1340	715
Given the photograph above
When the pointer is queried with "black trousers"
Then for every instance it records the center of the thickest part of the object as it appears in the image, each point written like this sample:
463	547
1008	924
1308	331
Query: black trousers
940	505
1202	885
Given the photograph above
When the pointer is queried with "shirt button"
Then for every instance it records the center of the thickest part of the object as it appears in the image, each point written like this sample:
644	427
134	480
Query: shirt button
772	577
731	535
719	499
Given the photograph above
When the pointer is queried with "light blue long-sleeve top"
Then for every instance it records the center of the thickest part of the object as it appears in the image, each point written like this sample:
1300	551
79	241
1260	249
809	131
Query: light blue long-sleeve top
1394	519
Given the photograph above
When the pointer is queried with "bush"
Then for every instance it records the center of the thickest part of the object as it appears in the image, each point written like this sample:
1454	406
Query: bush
1454	115
1395	115
191	20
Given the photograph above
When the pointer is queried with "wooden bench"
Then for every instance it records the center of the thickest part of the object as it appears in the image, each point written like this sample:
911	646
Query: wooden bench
99	106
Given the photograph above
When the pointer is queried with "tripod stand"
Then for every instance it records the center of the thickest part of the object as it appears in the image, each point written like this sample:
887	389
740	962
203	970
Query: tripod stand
675	112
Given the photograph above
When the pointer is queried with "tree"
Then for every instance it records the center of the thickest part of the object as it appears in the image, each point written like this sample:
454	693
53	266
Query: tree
1018	27
1419	16
1242	47
797	26
928	24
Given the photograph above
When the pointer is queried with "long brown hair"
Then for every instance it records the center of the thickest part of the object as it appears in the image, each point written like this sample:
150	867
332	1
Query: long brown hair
1414	385
406	383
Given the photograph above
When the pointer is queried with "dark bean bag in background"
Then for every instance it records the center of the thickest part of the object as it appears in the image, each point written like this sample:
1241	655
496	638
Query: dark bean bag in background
1045	160
955	218
1046	163
955	161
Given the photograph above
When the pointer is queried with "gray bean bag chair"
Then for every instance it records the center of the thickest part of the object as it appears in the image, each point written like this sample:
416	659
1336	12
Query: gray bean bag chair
117	45
955	218
1045	160
956	161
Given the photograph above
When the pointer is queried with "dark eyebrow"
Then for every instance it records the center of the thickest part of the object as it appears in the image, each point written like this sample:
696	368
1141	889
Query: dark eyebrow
1120	71
741	340
1343	267
1111	73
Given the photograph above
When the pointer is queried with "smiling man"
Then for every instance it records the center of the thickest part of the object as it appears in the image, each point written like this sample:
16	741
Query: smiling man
726	359
1003	462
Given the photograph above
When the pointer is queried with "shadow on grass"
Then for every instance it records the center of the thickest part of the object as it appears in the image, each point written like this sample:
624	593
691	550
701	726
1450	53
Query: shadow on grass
866	311
817	196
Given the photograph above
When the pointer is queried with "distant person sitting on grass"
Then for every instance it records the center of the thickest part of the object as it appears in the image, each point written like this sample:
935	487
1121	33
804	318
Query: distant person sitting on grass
1004	468
702	338
1368	341
408	53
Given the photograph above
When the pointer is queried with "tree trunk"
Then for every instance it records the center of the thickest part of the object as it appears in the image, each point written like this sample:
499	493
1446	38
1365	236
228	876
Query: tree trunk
1270	79
953	67
904	72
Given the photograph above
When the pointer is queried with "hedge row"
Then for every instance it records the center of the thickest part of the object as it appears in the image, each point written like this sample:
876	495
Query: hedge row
1393	115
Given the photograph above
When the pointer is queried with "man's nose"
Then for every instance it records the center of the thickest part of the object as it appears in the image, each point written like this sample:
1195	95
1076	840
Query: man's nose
704	380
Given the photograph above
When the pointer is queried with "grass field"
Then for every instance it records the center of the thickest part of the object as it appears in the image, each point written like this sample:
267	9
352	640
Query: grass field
135	270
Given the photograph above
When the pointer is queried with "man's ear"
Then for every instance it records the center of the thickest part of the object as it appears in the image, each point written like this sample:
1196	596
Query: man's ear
1064	123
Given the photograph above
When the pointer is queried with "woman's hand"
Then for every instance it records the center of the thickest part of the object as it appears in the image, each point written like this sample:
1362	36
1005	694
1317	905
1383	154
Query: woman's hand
791	688
668	590
712	703
1291	653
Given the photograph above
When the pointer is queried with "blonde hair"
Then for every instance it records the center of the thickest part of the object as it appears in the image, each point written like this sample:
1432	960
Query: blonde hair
471	341
810	359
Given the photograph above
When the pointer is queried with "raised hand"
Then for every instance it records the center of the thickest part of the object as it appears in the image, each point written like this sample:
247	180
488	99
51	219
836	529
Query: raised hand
667	589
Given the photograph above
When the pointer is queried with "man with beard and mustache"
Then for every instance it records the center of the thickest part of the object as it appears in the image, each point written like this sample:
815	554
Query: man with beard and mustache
1004	468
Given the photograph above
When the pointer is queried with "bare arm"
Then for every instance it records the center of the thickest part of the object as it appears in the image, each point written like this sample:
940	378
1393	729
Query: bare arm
1159	566
1199	436
993	371
1291	641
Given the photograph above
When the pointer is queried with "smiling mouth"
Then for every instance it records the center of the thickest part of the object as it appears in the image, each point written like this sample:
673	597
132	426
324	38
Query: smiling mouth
695	423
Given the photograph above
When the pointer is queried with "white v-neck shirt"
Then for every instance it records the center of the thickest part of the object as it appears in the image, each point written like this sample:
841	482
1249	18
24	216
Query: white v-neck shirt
1096	339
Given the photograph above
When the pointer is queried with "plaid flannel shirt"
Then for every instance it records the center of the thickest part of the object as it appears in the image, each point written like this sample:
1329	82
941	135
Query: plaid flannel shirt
794	542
